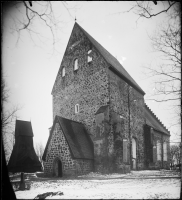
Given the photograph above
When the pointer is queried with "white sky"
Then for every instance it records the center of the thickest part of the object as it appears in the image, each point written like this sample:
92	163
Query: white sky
31	66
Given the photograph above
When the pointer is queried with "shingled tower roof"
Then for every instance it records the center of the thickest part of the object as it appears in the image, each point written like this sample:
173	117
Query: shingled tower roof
23	157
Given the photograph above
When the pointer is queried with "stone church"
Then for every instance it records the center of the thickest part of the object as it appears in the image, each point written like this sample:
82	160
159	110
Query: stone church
100	120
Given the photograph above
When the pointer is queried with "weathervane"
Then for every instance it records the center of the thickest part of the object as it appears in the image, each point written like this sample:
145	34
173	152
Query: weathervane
75	18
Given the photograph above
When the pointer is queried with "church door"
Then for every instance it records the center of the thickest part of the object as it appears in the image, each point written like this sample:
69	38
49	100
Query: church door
58	168
60	174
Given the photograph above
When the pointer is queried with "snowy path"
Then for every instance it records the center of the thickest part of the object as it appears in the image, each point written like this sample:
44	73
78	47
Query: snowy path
106	189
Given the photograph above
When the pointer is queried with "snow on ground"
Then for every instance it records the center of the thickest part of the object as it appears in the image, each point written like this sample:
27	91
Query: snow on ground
113	186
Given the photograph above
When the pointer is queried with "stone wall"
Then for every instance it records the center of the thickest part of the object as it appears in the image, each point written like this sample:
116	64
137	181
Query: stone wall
154	138
102	147
59	149
92	86
88	86
83	166
120	106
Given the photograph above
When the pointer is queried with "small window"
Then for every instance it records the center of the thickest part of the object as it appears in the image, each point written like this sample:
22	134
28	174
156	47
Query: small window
125	150
76	64
133	148
63	72
77	108
154	157
89	56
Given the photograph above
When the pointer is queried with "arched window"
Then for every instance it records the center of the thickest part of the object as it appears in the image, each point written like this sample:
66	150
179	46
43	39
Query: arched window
89	57
158	150
77	108
76	64
125	150
165	151
63	72
133	148
133	153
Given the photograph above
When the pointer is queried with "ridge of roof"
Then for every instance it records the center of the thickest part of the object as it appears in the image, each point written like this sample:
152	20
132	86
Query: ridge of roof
146	106
114	63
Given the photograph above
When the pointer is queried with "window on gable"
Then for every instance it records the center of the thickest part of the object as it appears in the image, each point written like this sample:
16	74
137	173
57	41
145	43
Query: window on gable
77	108
76	64
63	72
89	57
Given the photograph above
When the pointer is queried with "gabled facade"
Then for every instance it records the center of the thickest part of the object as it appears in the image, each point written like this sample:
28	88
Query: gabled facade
69	150
94	89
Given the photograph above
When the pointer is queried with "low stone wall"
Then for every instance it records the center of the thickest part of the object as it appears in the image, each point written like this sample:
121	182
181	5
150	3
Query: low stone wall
124	169
83	166
158	165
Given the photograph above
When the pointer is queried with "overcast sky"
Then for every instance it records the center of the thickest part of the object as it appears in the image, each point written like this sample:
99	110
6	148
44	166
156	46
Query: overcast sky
30	66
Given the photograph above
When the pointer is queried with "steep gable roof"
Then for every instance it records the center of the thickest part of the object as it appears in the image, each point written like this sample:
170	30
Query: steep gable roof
154	122
114	63
111	60
81	145
23	128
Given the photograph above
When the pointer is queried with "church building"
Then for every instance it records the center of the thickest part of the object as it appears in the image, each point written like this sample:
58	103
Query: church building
100	120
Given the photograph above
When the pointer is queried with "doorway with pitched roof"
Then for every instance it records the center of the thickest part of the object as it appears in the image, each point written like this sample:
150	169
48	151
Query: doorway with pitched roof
57	168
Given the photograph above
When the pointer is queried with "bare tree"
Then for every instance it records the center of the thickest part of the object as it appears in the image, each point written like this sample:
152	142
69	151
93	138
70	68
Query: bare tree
147	9
167	85
8	117
39	150
175	154
28	16
167	42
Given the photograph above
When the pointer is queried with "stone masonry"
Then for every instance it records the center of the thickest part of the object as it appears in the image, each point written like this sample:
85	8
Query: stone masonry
154	138
94	85
59	149
110	107
120	103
